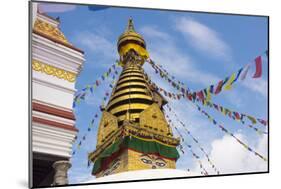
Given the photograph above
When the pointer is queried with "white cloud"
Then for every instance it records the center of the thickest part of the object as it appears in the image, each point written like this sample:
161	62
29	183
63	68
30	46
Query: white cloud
256	85
154	32
97	43
203	37
164	51
230	157
48	7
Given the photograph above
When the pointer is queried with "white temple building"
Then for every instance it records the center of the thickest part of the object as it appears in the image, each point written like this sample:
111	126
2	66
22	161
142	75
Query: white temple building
55	66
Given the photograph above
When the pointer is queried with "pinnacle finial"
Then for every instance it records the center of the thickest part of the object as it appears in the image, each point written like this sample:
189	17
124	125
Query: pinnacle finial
130	26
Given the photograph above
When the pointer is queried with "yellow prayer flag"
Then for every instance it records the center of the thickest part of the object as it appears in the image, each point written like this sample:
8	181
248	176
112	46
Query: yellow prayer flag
208	98
204	102
228	85
223	111
253	120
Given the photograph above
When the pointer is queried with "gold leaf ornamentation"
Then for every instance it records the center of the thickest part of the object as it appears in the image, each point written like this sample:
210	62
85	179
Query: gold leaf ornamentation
52	70
49	30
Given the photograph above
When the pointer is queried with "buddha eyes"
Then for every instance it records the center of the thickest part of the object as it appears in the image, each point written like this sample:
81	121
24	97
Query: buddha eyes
160	164
147	161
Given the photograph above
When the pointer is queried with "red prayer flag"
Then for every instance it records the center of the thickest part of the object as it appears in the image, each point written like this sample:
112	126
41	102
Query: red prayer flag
237	116
200	95
218	89
189	97
258	62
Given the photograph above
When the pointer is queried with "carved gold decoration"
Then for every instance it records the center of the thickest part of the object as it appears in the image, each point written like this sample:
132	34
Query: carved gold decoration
49	30
52	70
107	126
139	49
153	118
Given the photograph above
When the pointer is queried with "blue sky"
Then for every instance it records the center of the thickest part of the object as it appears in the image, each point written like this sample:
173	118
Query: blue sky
199	49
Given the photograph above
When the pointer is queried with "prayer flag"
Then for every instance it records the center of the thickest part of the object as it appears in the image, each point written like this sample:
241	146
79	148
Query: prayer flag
200	95
208	98
212	89
258	72
228	84
238	74
252	119
218	89
245	71
262	121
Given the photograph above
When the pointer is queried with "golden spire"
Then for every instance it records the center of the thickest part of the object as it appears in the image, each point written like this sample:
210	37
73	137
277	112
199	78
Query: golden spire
130	39
130	27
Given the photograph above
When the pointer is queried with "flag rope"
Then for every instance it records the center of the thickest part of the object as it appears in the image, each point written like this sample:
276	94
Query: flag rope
227	82
95	116
235	116
194	155
229	133
81	94
226	131
193	138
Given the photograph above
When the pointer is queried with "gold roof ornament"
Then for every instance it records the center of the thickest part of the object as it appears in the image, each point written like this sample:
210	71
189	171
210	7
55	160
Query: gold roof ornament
130	39
49	30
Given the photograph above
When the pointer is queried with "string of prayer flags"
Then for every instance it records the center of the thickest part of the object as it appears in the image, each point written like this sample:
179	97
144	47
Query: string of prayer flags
193	138
199	96
80	95
85	135
165	75
236	115
94	118
229	133
242	74
204	171
225	84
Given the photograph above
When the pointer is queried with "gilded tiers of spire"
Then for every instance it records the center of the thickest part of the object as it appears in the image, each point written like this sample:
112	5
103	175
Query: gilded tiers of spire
131	95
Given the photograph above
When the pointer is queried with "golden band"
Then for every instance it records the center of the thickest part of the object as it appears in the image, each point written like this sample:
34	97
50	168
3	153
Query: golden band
52	70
